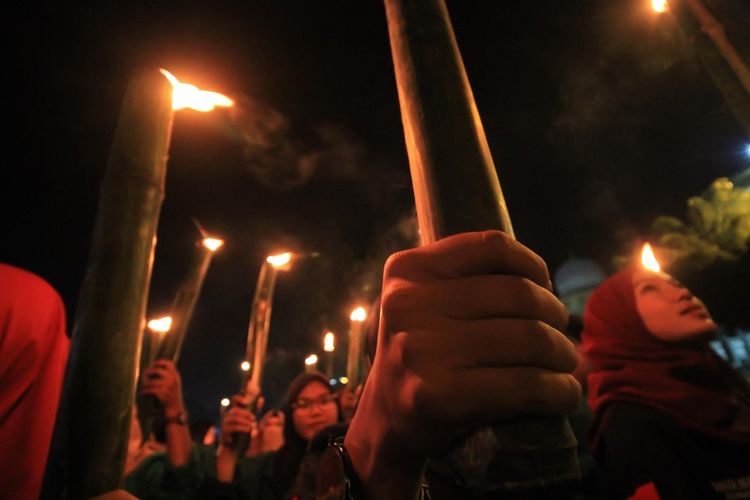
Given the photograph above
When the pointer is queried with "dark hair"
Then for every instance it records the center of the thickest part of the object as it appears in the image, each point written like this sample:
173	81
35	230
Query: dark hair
289	457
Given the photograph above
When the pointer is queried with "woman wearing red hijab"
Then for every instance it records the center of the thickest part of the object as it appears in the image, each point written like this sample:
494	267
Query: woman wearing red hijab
33	353
668	412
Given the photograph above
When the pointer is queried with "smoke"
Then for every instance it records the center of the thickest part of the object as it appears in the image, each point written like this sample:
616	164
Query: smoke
629	50
402	234
282	162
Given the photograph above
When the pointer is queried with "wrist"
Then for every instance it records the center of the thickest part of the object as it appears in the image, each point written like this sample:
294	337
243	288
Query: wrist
173	410
176	417
384	467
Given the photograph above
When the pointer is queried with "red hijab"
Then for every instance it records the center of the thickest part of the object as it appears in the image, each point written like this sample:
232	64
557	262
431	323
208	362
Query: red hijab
686	380
33	353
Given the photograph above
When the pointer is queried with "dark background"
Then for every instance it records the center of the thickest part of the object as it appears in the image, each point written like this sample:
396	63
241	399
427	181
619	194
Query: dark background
598	116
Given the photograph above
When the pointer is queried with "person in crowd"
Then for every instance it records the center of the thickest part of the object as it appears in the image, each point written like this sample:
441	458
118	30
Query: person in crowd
309	406
176	472
33	354
670	416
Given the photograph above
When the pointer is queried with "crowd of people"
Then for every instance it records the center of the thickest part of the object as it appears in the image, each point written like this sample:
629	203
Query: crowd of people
469	332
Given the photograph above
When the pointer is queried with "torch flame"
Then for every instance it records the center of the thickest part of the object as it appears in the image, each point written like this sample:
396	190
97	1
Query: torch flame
213	244
245	366
359	314
280	260
648	259
311	360
185	95
659	6
328	340
160	325
225	402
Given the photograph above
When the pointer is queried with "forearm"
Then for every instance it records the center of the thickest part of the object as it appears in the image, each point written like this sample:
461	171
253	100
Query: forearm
226	463
179	443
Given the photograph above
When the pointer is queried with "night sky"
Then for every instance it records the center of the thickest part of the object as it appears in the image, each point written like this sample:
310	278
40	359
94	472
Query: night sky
598	116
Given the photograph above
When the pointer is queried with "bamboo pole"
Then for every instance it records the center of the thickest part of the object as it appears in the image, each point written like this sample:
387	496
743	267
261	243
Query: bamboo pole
456	189
727	69
184	303
109	320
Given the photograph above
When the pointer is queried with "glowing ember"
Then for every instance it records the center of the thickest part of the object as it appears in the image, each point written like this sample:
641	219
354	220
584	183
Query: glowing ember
213	244
648	259
245	366
185	95
160	325
328	342
359	314
225	402
312	359
659	6
279	260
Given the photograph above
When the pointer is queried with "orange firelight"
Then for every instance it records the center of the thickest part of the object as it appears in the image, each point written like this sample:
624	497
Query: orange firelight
160	325
279	261
328	342
648	259
659	6
213	244
359	314
185	95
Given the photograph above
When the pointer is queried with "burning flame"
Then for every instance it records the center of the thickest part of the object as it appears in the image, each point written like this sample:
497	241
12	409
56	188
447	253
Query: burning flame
648	259
225	402
328	341
659	6
245	366
280	260
213	244
312	359
359	314
185	95
160	325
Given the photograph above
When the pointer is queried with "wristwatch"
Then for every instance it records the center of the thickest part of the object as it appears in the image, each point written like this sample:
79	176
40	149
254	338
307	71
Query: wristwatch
181	418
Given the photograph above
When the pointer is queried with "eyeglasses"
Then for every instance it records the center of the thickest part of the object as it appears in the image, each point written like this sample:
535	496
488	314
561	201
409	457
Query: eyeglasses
307	404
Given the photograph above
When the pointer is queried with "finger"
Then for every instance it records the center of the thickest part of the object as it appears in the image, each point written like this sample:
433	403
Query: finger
166	364
259	403
486	394
156	372
238	420
491	343
472	298
239	401
468	254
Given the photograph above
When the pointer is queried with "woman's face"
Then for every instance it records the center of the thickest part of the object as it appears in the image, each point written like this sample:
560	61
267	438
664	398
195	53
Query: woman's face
668	309
313	410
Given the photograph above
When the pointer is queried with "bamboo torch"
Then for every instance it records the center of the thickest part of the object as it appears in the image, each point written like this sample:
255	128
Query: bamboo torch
257	333
354	354
109	321
186	298
457	190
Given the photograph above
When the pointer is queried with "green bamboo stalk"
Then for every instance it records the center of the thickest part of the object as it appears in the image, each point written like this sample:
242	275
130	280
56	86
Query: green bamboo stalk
184	303
456	189
257	342
109	320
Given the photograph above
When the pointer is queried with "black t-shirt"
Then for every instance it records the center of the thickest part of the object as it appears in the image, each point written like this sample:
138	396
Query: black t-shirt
640	445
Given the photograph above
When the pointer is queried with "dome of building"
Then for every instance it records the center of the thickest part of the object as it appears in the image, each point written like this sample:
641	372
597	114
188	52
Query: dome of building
578	274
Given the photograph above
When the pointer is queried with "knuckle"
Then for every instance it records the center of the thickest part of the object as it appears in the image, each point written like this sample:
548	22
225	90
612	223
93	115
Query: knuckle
399	263
397	296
